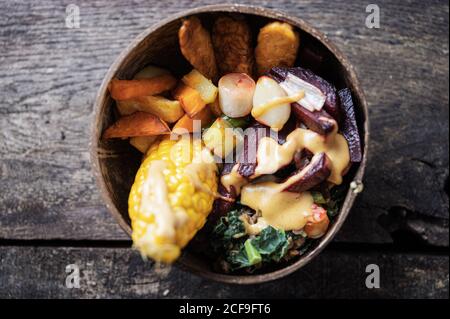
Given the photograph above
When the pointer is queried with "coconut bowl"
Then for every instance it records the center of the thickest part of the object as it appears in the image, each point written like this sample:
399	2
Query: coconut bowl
115	162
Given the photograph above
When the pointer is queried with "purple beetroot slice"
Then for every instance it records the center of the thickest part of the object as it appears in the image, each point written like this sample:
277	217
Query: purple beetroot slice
221	206
349	126
331	105
312	174
287	129
247	157
252	135
302	158
319	121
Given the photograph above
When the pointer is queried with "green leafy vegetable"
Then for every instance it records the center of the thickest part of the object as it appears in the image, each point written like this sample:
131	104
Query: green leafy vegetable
228	228
240	250
238	122
318	198
305	247
253	255
271	243
237	257
332	208
337	196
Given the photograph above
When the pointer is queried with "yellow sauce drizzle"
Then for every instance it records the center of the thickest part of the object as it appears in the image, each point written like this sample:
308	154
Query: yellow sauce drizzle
155	198
253	229
264	108
271	156
282	210
233	179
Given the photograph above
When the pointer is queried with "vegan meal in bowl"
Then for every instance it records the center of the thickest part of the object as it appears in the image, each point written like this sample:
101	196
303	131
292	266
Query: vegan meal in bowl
247	151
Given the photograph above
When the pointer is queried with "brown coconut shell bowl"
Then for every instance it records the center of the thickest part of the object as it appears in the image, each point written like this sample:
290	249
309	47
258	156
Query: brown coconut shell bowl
115	162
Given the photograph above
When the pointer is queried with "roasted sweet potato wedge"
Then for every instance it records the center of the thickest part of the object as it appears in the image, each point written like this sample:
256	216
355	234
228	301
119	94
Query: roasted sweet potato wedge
137	124
186	124
207	90
142	143
168	110
190	99
128	89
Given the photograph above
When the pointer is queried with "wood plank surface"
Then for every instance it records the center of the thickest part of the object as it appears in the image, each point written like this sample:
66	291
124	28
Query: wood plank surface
49	75
40	272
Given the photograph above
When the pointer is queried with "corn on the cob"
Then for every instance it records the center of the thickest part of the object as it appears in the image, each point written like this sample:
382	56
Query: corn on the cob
171	197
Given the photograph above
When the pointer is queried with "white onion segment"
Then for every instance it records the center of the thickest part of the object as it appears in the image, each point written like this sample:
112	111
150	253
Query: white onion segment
313	100
236	94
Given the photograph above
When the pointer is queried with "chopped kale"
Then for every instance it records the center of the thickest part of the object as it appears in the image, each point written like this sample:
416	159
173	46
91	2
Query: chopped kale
253	255
337	196
271	243
238	122
318	198
239	250
228	228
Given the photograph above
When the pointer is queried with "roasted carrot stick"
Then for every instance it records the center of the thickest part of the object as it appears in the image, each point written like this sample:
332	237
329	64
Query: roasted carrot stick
190	99
137	124
128	89
186	124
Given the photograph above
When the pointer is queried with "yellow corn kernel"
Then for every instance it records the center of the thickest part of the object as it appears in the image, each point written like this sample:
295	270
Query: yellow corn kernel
188	191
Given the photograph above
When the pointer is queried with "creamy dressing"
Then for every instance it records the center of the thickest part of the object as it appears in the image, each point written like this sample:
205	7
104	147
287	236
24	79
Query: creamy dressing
259	110
195	170
204	168
155	194
272	156
198	171
253	229
155	198
282	210
233	179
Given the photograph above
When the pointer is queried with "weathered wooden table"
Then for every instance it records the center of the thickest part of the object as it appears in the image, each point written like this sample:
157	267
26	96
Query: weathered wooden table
51	214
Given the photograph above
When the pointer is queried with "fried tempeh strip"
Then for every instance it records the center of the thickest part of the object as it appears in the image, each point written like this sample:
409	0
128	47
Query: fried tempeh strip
128	89
277	46
196	46
137	124
232	41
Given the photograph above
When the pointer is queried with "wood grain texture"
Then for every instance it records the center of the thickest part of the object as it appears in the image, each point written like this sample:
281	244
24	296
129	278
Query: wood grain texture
49	76
27	272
